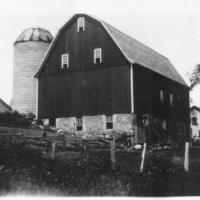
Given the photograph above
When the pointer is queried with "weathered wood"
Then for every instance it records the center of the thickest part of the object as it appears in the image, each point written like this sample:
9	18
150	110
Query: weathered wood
53	149
112	153
186	159
147	86
84	88
143	158
63	140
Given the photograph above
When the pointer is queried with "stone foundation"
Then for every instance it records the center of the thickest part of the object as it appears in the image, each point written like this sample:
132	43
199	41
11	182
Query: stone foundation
97	124
68	124
122	122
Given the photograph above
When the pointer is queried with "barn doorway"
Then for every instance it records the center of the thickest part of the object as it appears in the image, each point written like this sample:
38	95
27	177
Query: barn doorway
52	122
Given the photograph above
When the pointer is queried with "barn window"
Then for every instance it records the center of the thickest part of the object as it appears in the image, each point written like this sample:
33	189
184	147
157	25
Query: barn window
79	124
81	24
97	55
171	100
194	121
109	122
65	61
161	96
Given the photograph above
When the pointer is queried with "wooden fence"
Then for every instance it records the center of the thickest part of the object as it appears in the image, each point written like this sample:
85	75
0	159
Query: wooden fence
71	141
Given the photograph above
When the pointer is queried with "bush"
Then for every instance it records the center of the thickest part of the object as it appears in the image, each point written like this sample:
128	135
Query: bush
16	119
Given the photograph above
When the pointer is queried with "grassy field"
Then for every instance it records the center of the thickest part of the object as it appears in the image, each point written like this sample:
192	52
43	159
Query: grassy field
25	169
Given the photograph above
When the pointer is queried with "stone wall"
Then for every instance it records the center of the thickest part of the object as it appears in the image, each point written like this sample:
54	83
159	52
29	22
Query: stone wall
67	124
97	124
122	122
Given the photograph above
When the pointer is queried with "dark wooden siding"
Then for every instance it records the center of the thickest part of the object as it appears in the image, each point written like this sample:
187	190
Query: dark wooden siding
84	88
90	92
80	46
147	86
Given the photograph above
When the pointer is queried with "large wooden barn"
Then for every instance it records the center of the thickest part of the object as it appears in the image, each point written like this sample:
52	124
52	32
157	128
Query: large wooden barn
94	78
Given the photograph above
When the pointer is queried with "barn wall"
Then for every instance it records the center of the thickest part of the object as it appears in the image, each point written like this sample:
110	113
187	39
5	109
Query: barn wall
80	46
93	92
147	86
3	108
84	88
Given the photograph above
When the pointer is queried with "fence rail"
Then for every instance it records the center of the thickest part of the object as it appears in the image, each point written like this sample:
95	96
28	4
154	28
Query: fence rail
70	141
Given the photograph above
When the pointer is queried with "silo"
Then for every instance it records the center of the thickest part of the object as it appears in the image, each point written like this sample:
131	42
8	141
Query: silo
29	50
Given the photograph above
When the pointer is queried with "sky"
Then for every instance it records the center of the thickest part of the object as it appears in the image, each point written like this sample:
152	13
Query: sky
170	27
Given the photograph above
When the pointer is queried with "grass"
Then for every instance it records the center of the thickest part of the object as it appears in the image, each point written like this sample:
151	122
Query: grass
26	170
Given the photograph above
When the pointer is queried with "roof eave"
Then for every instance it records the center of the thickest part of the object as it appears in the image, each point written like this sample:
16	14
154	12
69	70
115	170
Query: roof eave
125	55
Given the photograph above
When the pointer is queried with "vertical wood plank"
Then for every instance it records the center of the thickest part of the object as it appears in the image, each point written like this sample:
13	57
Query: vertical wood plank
186	160
143	157
53	149
112	152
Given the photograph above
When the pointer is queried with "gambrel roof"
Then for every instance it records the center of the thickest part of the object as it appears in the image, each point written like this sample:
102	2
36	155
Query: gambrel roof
134	52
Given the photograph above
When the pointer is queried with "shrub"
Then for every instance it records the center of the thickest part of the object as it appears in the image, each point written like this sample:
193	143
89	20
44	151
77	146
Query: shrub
16	119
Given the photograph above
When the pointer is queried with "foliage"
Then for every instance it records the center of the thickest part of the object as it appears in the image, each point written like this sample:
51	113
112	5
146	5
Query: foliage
195	76
25	170
16	119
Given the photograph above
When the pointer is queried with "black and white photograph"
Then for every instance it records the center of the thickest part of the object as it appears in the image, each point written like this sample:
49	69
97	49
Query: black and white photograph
99	98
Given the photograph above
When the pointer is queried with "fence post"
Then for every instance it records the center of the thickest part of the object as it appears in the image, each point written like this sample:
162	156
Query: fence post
10	138
45	147
53	149
143	157
75	133
112	152
186	160
63	140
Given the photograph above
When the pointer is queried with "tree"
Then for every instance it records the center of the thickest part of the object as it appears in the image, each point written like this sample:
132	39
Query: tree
195	76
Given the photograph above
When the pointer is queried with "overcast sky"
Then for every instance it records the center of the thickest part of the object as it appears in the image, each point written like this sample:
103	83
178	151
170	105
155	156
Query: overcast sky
170	27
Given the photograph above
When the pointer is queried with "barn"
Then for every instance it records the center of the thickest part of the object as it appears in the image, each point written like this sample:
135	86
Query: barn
96	79
4	107
194	122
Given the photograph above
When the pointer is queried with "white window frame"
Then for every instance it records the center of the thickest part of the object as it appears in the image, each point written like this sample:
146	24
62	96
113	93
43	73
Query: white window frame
171	100
97	54
109	119
194	122
162	96
80	24
79	123
65	60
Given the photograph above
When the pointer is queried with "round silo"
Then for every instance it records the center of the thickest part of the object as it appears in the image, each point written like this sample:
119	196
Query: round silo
29	50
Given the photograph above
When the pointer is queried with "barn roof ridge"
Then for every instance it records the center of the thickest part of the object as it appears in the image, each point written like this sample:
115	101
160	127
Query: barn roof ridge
133	50
135	39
